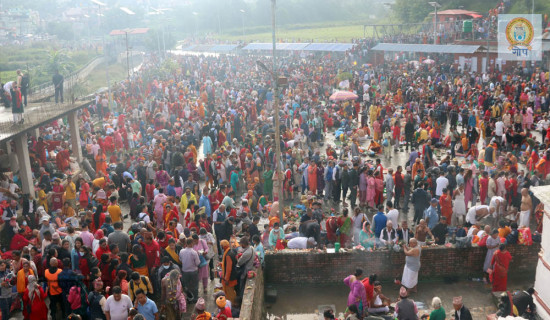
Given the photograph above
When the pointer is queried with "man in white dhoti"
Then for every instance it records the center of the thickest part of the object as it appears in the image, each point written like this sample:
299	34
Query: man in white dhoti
412	265
476	213
525	208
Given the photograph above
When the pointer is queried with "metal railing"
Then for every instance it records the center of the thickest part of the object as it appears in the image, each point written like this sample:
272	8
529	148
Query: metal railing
46	90
36	115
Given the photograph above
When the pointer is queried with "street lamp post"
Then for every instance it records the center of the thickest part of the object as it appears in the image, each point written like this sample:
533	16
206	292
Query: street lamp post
278	169
242	18
196	14
127	54
275	77
435	5
105	56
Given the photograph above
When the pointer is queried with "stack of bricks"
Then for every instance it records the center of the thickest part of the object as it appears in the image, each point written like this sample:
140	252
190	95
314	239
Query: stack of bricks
436	262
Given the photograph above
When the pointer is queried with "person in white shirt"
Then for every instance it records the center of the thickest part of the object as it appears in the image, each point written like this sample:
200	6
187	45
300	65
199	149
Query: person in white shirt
358	219
301	243
117	305
393	214
441	183
477	213
499	130
388	235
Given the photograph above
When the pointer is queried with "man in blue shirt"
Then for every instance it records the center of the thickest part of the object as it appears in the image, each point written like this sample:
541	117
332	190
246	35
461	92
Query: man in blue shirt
430	215
205	202
380	221
146	306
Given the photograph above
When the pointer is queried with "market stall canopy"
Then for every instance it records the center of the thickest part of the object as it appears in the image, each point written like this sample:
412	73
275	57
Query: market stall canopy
343	96
427	48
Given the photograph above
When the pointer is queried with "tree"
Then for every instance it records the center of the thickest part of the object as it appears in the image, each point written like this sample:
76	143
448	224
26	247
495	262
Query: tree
59	60
411	11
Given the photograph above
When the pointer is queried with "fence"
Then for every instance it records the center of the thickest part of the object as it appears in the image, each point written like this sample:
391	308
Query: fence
46	90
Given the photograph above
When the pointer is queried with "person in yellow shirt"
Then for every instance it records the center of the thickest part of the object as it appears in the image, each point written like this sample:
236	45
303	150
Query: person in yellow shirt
70	192
138	281
43	197
185	199
423	135
99	182
67	210
114	210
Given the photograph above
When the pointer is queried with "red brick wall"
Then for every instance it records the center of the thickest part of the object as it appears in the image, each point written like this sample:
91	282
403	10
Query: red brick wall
291	267
253	298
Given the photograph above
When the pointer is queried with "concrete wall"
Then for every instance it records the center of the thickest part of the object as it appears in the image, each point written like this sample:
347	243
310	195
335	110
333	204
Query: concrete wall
542	287
253	298
324	268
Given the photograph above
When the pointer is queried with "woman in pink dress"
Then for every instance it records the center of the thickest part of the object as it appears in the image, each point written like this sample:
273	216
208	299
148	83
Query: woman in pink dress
468	187
371	189
201	247
527	118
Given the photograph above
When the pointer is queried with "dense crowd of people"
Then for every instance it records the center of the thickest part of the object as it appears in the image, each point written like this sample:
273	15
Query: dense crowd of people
181	186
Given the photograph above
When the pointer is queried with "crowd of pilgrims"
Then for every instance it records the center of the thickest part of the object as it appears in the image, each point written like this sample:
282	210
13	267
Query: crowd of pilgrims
196	213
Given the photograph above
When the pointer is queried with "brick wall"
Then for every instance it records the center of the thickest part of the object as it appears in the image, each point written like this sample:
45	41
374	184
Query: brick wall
296	267
253	298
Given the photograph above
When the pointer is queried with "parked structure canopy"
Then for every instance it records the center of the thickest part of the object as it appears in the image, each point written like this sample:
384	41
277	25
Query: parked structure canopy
427	48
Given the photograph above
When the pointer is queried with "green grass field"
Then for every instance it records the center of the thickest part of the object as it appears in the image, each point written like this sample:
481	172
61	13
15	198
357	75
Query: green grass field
328	32
98	78
35	58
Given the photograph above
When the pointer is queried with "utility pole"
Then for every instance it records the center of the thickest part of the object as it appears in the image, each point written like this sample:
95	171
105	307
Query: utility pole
278	169
488	38
242	19
435	5
127	54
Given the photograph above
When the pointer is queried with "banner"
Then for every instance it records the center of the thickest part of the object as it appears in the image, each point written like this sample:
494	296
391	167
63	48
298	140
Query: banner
520	37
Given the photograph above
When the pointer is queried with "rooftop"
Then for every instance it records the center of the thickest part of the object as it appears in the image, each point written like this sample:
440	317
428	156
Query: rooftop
429	48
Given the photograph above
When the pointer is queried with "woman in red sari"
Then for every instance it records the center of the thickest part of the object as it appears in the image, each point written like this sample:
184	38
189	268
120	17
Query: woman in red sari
34	301
499	264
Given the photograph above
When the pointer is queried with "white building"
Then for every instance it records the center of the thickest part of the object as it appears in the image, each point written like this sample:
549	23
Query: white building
542	280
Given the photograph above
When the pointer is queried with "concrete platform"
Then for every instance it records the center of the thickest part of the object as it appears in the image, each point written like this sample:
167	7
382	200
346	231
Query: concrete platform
36	115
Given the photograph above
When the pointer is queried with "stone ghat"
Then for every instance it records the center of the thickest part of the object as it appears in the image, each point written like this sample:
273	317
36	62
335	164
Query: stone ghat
436	262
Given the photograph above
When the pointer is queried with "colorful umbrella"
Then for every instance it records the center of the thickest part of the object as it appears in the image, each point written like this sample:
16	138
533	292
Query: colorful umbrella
343	96
428	61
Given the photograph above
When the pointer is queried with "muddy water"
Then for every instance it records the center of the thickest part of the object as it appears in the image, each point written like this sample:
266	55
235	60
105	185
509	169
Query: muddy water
304	302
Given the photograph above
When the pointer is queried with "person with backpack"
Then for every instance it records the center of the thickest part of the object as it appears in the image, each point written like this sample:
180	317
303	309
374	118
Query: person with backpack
23	82
138	281
67	279
78	300
96	301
